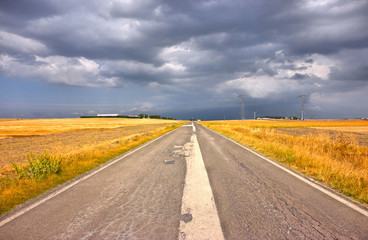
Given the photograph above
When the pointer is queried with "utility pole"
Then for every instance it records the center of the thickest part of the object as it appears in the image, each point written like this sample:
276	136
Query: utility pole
242	110
303	101
255	115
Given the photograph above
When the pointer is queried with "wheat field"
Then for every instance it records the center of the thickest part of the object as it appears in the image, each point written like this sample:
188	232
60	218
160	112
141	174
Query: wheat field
35	127
363	129
332	152
293	123
79	144
18	138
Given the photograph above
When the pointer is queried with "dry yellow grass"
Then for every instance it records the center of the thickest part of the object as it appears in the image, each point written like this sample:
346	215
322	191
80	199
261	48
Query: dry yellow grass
34	127
69	136
294	123
337	160
347	129
95	142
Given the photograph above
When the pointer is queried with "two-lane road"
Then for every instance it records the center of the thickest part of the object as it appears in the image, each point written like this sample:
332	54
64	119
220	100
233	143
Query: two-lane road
140	196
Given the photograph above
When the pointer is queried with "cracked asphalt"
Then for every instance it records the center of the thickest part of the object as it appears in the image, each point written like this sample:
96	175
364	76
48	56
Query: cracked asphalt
140	197
257	200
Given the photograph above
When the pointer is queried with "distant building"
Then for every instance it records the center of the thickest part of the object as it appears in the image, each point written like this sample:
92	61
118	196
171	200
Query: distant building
108	115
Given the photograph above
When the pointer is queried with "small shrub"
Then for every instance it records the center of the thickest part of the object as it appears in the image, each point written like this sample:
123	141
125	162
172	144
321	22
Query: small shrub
39	166
20	170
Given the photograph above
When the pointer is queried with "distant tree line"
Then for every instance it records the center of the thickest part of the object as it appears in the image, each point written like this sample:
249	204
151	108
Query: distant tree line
142	115
120	116
279	117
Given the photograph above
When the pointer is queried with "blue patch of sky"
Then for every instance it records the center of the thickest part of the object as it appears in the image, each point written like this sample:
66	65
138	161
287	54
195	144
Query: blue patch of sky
40	99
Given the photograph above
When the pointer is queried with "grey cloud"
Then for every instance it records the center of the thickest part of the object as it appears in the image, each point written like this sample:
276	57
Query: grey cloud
298	76
27	10
15	15
138	9
309	61
350	73
283	45
352	67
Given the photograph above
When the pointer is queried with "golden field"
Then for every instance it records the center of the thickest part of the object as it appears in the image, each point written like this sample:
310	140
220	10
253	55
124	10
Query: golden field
82	144
293	123
34	127
332	152
65	136
363	130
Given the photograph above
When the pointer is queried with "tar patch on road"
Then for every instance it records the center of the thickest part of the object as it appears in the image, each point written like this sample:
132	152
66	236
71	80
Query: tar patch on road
187	217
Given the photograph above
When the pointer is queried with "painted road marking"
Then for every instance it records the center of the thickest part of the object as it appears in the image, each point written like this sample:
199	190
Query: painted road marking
307	181
199	214
63	189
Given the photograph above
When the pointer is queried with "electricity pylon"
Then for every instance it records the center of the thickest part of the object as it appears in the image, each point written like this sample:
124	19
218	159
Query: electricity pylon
303	101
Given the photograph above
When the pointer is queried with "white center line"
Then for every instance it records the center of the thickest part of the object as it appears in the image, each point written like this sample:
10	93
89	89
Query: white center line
199	214
194	128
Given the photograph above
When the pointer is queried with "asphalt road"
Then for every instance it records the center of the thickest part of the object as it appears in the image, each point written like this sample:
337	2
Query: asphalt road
140	196
257	200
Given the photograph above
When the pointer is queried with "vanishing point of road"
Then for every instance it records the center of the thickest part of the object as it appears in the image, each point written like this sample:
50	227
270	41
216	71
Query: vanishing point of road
191	183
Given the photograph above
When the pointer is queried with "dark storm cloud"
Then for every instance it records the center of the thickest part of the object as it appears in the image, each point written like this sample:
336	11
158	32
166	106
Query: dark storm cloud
24	10
298	76
260	48
355	73
15	15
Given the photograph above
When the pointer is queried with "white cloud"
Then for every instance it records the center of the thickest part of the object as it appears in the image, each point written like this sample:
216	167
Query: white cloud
319	66
259	86
173	67
57	69
21	44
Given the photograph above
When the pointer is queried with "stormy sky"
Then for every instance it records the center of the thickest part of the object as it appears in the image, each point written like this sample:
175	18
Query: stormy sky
183	59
